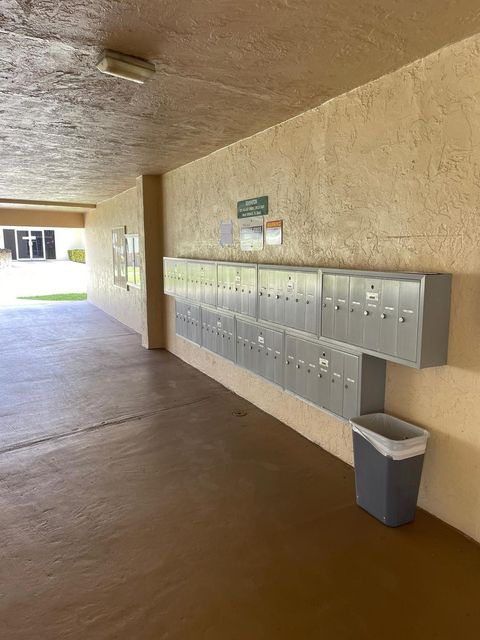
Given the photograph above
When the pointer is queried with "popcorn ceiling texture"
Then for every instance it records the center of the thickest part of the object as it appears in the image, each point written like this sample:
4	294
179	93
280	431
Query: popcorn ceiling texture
384	177
225	70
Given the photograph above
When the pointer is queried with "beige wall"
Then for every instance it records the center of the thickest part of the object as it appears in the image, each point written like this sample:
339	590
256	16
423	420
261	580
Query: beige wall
384	177
122	304
40	218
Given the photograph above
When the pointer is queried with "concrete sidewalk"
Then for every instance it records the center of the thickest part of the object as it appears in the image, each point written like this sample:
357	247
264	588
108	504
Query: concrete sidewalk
41	278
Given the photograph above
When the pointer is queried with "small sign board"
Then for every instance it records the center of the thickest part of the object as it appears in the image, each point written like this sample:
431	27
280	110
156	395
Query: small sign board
251	236
274	232
252	207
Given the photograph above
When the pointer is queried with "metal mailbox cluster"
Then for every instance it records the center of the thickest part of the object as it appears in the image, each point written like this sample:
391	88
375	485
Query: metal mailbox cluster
260	349
401	317
188	321
322	334
237	288
218	333
289	296
333	379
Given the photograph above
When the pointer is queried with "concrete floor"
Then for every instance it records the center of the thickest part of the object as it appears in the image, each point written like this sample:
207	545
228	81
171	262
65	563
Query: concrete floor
134	505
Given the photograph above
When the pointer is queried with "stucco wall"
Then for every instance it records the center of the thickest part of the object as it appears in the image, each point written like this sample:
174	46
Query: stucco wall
123	304
384	177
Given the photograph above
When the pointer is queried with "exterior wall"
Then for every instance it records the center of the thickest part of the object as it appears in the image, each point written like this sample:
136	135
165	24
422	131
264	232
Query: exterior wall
41	218
65	238
384	177
123	304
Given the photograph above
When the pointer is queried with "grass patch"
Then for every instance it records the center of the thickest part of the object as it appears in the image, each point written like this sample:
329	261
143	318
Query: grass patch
56	297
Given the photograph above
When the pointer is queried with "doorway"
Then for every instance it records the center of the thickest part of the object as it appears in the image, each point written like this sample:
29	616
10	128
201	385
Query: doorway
30	244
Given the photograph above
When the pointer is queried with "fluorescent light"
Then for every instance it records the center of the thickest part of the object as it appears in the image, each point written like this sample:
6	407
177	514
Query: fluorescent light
126	67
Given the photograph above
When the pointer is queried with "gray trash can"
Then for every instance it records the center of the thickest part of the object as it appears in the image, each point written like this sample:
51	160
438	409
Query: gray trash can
388	455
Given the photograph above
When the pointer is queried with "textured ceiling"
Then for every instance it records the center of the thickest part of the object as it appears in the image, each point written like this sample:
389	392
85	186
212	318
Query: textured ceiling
225	69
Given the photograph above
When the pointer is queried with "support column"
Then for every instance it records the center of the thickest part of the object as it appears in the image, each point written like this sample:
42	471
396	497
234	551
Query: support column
150	225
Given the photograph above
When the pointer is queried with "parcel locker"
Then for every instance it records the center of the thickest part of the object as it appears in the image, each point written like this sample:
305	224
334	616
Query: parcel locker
311	302
290	306
290	362
178	317
389	317
300	300
278	357
248	292
335	309
180	277
261	359
279	278
340	307
336	382
407	331
371	313
209	293
303	349
262	294
324	376
240	345
269	355
236	296
350	386
168	286
229	350
211	330
193	281
312	364
356	310
220	285
269	280
193	323
328	293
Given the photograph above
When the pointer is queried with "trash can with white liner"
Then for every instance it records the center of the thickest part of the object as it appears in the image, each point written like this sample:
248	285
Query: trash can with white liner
388	457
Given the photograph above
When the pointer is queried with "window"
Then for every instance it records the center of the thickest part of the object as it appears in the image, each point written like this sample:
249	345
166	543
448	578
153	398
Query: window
132	244
119	257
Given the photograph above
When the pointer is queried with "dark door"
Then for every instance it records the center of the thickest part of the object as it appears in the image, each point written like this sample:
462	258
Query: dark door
23	241
50	251
9	242
37	245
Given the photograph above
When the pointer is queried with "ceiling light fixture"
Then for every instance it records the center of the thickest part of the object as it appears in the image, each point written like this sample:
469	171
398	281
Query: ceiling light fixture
127	67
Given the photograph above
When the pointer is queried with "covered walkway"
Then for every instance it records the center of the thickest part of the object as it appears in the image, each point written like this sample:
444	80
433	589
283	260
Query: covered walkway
135	503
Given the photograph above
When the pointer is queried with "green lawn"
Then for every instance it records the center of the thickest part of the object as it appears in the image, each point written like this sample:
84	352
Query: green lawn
56	297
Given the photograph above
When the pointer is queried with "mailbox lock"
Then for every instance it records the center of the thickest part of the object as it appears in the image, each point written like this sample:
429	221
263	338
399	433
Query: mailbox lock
260	294
277	296
383	316
298	366
308	370
365	313
286	298
346	386
268	295
324	305
401	319
336	307
296	299
287	362
308	302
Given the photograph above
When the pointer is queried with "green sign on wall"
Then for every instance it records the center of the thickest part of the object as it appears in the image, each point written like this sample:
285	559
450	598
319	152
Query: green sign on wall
253	207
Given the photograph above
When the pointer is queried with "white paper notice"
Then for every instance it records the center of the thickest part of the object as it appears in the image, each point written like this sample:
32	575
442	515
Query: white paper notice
251	235
226	234
274	232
